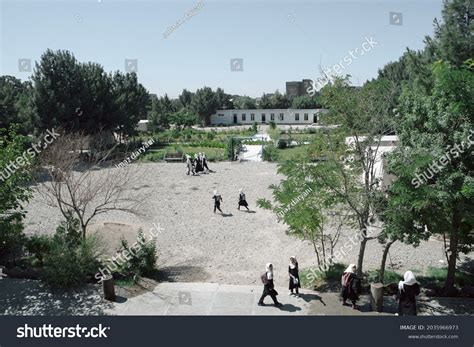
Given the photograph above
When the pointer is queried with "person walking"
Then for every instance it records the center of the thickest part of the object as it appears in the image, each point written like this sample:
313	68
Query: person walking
197	163
189	165
242	201
268	286
294	276
408	289
350	285
217	202
204	162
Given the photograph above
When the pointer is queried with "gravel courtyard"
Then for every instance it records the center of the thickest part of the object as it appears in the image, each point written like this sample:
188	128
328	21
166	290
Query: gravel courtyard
197	245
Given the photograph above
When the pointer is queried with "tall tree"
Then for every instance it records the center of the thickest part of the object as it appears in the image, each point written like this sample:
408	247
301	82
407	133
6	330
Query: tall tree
434	192
204	104
185	98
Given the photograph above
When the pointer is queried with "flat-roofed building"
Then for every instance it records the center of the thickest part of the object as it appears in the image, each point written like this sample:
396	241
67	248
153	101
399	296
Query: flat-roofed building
265	116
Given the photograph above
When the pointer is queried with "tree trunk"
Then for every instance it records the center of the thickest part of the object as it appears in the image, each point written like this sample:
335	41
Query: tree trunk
384	260
449	288
360	258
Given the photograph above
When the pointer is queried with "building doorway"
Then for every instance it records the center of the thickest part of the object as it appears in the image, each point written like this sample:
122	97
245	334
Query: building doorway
235	119
263	118
315	118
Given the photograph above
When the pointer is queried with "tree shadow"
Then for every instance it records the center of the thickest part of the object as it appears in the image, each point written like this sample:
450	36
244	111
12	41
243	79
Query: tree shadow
31	297
312	297
181	273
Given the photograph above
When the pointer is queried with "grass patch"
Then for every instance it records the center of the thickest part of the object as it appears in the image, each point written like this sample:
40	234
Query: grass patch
373	276
291	153
437	276
312	278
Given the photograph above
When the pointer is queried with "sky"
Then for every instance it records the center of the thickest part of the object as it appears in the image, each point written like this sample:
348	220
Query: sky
190	44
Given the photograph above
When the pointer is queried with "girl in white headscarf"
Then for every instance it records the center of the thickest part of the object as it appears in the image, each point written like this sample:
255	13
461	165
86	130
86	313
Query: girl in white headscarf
294	276
408	289
268	286
350	285
242	200
217	201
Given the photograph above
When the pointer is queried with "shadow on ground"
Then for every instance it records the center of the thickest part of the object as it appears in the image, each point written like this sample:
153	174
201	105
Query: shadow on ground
183	273
31	297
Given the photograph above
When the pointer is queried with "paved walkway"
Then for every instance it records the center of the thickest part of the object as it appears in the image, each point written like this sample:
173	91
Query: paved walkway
28	297
219	299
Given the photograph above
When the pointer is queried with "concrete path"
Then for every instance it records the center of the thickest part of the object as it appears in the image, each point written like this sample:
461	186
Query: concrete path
219	299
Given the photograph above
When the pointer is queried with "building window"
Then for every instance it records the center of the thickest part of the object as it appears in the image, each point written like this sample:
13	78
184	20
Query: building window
297	116
305	116
221	115
252	116
281	117
272	116
244	118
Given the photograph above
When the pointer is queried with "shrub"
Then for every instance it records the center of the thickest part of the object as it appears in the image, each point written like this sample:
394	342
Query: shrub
12	239
272	124
254	128
70	260
39	246
270	153
143	257
211	135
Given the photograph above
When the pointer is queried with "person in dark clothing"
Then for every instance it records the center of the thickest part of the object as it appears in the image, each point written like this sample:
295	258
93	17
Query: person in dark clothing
198	163
408	289
204	162
217	202
268	286
294	276
242	201
350	285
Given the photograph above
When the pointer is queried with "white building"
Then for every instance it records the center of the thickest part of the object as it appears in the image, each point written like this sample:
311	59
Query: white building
262	116
386	145
143	125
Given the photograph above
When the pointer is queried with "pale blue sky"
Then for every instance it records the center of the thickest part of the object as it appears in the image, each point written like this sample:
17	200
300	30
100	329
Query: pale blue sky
278	41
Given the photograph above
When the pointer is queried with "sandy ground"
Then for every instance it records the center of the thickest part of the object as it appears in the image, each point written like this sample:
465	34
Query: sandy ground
197	245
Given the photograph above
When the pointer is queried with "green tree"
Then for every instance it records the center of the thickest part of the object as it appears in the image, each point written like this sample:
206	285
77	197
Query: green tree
306	102
224	101
14	104
184	118
204	104
245	103
14	190
185	98
434	190
131	100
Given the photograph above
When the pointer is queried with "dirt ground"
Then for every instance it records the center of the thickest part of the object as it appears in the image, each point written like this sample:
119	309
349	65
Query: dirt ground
196	245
